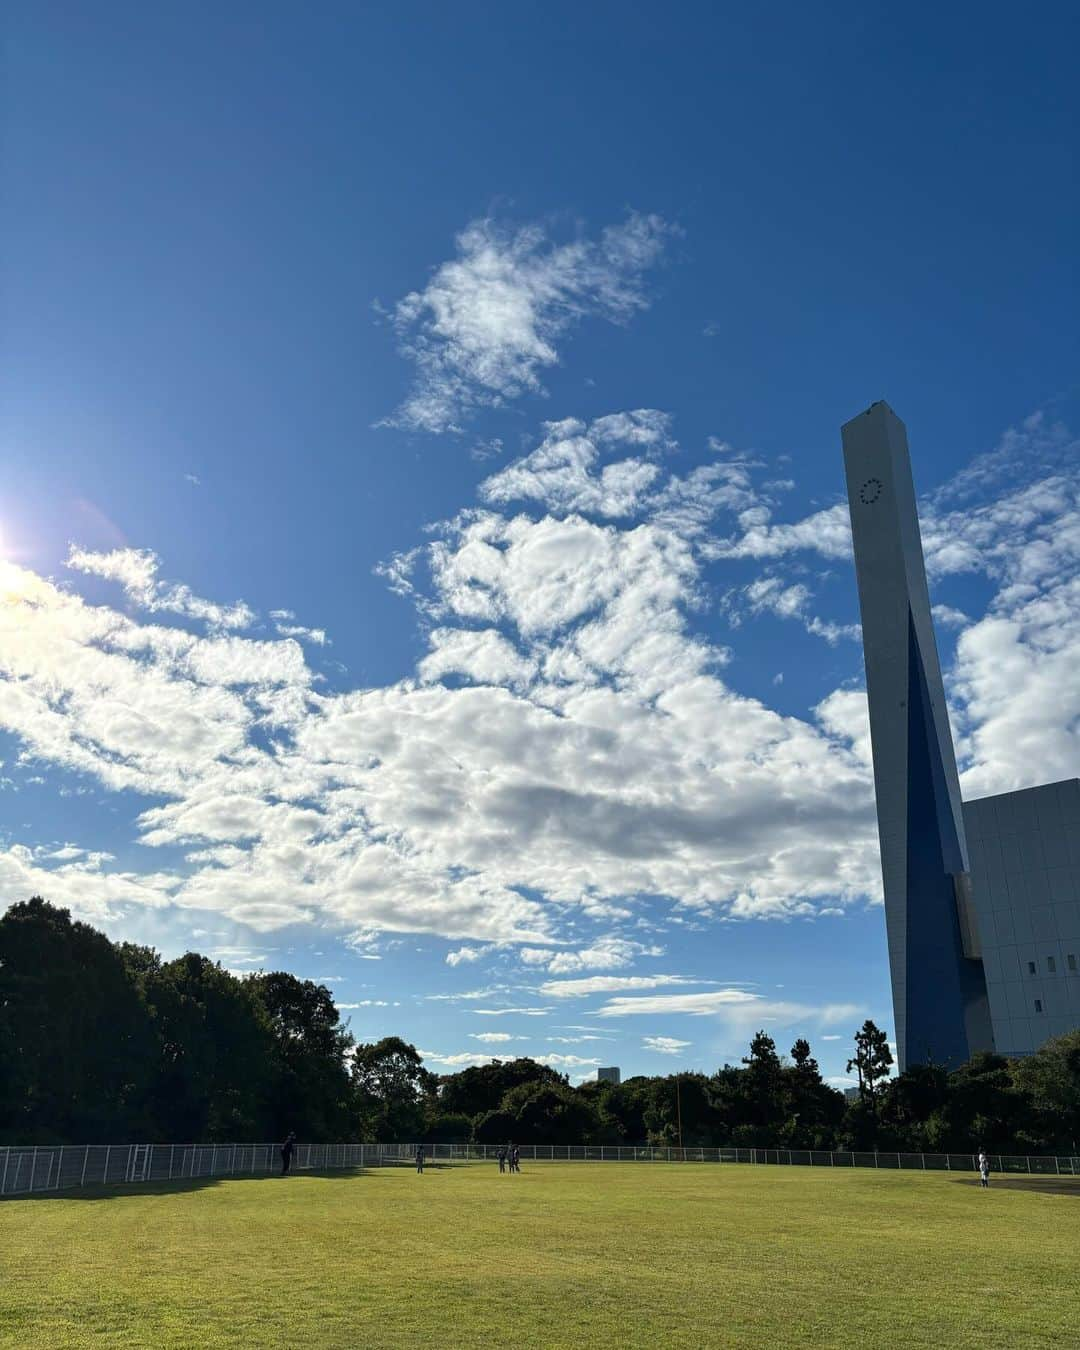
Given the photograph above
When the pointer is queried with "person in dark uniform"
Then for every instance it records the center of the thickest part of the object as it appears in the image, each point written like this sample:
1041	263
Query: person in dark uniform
501	1155
515	1159
420	1158
287	1152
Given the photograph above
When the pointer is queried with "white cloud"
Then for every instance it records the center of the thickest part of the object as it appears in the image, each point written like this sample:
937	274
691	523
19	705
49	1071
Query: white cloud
556	1061
428	808
607	953
827	532
464	955
487	323
518	1012
948	616
466	1059
494	1037
136	570
297	630
484	656
239	956
845	715
773	595
468	994
739	1009
563	473
664	1045
606	984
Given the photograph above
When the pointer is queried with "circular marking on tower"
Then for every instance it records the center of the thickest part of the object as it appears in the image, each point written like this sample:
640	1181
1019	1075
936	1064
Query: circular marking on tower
870	491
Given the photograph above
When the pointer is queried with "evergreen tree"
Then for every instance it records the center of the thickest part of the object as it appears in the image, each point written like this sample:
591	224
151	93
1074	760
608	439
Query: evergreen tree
872	1061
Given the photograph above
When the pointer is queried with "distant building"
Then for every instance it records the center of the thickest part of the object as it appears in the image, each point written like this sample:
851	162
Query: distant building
611	1075
852	1094
982	898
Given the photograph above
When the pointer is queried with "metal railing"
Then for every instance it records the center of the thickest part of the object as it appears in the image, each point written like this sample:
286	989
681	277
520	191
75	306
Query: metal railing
28	1169
53	1167
1012	1163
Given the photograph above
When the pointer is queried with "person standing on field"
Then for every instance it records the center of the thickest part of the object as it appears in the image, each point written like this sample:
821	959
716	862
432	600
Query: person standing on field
287	1152
420	1158
984	1171
515	1159
502	1160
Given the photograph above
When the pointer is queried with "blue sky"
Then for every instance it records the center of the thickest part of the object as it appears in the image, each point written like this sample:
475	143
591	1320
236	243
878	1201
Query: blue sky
425	556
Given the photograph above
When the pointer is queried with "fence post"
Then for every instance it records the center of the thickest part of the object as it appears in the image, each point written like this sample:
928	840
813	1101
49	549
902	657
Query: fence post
33	1169
3	1179
1028	1161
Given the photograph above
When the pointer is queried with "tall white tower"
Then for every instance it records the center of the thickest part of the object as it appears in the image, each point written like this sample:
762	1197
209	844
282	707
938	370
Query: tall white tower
939	992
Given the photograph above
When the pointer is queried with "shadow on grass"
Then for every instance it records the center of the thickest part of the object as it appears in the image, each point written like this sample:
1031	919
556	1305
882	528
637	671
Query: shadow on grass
1044	1185
179	1186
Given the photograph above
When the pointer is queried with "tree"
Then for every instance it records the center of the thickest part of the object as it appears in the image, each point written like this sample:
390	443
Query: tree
815	1109
214	1077
623	1106
605	1128
912	1109
442	1127
76	1046
684	1098
545	1113
391	1086
481	1088
1050	1079
872	1062
310	1092
759	1108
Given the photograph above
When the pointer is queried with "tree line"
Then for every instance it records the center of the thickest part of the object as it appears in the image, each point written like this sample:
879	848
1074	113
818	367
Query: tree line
104	1041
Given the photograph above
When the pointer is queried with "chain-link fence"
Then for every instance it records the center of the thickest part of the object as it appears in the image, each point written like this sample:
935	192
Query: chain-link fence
26	1170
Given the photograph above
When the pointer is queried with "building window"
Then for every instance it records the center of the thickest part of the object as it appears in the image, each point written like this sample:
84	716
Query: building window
1031	967
1072	961
1038	1005
1051	965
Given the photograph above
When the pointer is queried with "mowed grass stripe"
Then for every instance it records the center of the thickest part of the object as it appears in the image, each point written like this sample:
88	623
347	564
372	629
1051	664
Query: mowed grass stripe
563	1255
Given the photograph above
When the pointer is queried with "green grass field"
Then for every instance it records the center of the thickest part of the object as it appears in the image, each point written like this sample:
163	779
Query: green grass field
563	1255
